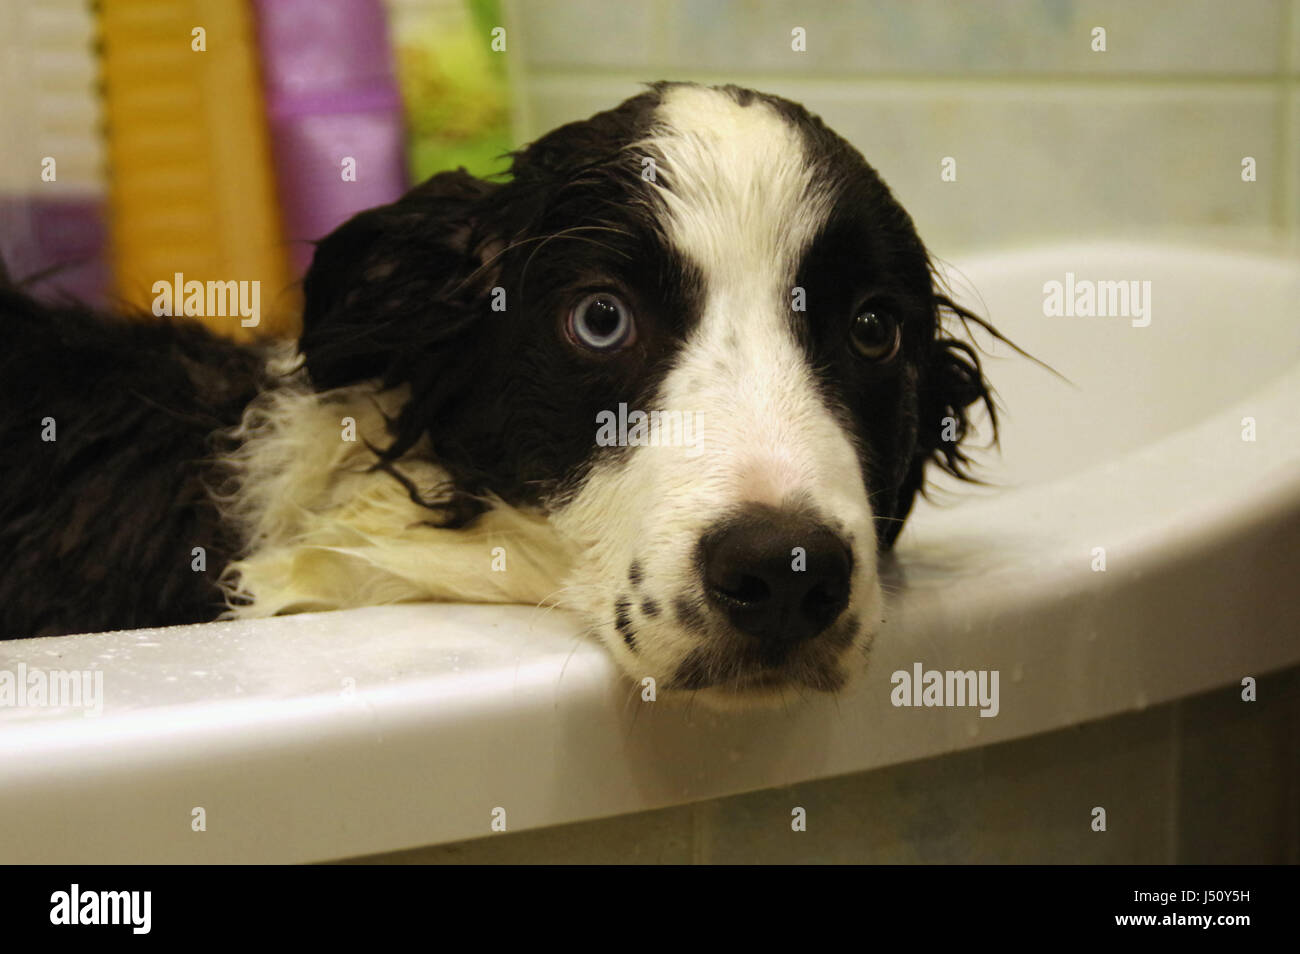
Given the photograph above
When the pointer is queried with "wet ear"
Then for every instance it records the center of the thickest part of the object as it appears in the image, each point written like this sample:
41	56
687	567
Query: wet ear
952	382
397	280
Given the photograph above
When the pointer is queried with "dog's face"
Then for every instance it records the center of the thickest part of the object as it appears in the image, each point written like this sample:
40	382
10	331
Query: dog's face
721	263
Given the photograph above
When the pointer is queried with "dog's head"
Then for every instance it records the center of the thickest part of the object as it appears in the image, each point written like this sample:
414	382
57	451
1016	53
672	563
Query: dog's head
697	331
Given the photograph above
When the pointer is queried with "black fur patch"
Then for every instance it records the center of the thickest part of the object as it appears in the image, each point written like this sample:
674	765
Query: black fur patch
98	527
623	622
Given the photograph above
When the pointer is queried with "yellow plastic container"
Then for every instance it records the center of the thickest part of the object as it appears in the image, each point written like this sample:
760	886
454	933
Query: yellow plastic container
191	186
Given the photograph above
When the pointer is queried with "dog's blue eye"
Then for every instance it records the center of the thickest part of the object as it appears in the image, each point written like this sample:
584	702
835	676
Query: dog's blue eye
601	322
875	336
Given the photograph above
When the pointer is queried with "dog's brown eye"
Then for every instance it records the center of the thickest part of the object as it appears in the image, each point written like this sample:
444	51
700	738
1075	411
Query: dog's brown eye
601	322
875	336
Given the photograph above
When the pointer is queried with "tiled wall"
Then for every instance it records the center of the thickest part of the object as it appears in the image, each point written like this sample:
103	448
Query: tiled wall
1206	780
1051	139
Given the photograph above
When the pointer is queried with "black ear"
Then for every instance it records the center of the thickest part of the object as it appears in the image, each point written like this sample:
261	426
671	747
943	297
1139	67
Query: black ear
395	281
951	382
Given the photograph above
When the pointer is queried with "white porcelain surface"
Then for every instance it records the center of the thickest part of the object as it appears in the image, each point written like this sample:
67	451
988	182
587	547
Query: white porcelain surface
316	737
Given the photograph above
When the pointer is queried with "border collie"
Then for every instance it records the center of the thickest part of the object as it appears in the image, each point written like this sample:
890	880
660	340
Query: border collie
682	373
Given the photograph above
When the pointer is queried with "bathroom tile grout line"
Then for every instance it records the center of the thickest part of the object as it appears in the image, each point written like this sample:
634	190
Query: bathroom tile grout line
1083	80
1288	159
1288	123
518	75
1174	800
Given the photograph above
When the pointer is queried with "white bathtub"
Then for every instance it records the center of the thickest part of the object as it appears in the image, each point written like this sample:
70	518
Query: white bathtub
460	710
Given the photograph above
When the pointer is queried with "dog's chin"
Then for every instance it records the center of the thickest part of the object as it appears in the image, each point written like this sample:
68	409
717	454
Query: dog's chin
756	699
764	690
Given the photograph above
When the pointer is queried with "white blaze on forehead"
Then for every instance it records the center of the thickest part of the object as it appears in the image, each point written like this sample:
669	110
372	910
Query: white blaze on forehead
742	201
737	186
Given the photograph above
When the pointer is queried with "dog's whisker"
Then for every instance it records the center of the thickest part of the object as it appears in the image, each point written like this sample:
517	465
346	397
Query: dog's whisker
567	233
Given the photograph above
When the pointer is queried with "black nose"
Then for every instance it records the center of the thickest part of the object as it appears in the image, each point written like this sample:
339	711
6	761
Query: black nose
778	575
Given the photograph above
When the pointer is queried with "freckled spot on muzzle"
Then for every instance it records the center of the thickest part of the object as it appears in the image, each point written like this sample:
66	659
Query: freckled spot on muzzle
623	622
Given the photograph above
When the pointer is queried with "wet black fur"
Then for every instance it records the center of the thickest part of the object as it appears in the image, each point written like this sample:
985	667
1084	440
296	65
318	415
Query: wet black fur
97	527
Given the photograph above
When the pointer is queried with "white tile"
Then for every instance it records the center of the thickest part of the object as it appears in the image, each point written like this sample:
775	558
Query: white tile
1294	55
1048	162
1291	213
554	102
984	36
584	33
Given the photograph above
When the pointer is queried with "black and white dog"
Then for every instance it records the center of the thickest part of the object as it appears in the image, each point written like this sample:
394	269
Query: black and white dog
712	268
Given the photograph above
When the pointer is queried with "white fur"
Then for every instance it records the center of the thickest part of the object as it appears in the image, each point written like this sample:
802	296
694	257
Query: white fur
324	532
